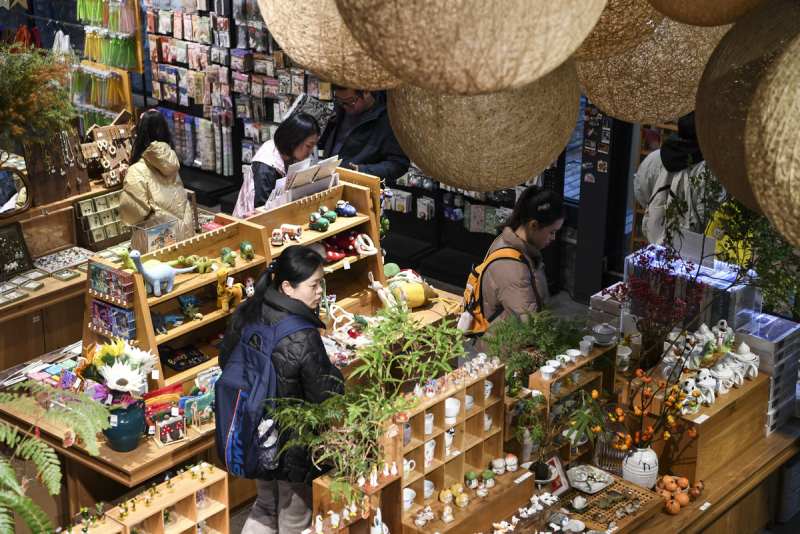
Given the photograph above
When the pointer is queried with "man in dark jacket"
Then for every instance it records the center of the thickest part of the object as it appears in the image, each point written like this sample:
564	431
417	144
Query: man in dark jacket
361	135
304	372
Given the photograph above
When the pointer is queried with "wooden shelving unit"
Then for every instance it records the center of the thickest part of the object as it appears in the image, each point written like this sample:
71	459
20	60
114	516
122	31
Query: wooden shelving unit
592	376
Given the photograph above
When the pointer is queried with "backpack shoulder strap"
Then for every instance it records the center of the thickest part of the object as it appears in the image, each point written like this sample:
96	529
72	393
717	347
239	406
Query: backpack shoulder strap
502	253
291	324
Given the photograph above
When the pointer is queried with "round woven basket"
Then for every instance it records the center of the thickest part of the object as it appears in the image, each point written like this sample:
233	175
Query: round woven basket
655	81
728	86
313	34
622	25
705	12
772	143
470	47
487	142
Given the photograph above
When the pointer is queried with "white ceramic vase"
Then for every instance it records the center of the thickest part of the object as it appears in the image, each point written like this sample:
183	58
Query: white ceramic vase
641	467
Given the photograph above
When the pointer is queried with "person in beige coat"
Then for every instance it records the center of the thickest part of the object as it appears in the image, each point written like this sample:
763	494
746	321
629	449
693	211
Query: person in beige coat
153	190
514	287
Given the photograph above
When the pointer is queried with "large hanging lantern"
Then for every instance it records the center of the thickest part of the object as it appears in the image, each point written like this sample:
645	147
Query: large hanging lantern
728	86
705	12
655	81
487	142
313	34
622	25
772	143
470	47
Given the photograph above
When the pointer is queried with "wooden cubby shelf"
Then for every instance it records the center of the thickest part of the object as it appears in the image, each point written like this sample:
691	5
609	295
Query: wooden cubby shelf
310	237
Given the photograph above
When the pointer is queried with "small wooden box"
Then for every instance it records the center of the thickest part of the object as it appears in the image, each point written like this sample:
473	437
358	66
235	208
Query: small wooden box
724	430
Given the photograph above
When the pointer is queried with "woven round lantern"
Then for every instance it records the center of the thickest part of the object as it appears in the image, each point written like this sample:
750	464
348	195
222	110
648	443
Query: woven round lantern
313	34
470	47
487	142
705	12
655	81
772	143
622	25
728	86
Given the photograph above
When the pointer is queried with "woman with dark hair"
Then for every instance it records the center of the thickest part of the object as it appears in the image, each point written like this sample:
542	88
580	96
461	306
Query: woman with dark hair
292	285
294	140
519	287
152	190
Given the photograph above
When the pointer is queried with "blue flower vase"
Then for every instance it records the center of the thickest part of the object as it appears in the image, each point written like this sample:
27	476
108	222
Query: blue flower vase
124	437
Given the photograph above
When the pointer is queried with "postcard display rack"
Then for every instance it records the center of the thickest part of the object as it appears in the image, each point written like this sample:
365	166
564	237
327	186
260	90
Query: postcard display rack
117	303
195	501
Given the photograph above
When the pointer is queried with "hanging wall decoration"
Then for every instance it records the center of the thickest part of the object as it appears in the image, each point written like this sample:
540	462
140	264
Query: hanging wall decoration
727	88
487	142
772	145
313	34
705	12
622	25
470	47
655	81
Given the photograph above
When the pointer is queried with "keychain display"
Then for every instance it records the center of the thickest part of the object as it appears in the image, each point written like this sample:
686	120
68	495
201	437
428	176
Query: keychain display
97	88
110	48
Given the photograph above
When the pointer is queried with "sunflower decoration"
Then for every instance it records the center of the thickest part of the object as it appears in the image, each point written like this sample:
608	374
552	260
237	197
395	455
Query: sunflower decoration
122	367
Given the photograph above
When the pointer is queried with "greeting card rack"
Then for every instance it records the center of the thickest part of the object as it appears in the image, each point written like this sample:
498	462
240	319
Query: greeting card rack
154	317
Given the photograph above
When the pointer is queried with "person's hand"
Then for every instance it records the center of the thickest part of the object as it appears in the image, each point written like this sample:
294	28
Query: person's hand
353	166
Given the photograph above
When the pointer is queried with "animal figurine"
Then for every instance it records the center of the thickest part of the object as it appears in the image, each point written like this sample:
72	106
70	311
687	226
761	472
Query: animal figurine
203	263
345	209
228	256
318	223
228	293
190	307
246	250
249	286
127	262
156	273
707	386
689	404
292	231
328	214
162	322
277	238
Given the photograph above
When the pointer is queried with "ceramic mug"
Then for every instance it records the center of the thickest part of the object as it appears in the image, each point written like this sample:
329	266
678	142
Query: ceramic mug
448	441
451	408
408	498
428	423
487	388
586	347
406	434
547	372
469	402
408	465
487	422
430	449
429	488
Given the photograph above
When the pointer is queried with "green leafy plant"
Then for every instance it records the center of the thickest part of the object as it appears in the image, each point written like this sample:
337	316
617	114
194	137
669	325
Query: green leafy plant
528	421
345	432
588	419
66	408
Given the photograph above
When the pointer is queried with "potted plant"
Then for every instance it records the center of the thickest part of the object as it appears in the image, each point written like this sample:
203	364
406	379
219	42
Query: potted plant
587	421
527	425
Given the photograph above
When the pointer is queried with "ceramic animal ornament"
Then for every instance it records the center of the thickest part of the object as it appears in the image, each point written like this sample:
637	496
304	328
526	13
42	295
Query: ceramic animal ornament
227	256
246	250
707	386
156	273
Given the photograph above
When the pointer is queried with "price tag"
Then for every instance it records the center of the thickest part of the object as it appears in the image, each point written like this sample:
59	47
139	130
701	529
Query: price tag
77	384
151	430
112	420
705	506
229	281
346	265
154	374
700	418
175	410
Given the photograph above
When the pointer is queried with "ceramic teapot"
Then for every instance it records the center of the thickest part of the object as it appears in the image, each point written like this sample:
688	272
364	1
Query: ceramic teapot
748	360
723	376
604	333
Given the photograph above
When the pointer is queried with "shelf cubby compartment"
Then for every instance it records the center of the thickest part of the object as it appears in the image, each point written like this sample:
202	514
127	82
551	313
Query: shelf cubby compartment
476	392
473	459
454	471
492	448
218	523
457	444
474	430
437	477
416	423
417	455
209	501
438	420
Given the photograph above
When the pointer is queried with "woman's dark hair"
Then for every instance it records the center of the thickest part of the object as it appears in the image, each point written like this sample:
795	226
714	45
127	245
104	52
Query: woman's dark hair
536	204
293	131
295	265
152	127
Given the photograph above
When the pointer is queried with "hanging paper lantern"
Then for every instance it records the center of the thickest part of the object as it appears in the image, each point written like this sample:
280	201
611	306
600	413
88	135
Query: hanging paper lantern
727	88
705	12
470	47
487	142
313	34
655	81
622	25
772	143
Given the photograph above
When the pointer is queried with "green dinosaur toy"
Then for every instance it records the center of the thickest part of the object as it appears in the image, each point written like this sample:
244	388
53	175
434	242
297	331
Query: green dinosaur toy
246	250
227	256
127	262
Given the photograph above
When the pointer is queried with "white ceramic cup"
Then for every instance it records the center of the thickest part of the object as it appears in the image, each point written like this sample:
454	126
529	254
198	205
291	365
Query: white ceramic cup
428	423
590	339
452	406
408	465
430	450
448	441
487	422
429	487
547	372
573	354
556	363
408	498
586	347
469	402
487	388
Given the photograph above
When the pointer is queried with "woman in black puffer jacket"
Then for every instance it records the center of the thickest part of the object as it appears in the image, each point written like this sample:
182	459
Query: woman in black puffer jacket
291	286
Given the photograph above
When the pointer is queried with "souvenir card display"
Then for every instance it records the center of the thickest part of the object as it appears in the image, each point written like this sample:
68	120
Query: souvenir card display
63	259
119	322
182	358
14	255
99	220
110	283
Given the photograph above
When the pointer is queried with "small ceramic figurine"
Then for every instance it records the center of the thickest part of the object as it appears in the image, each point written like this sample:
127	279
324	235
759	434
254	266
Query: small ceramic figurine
488	479
385	471
373	476
246	250
457	489
747	359
511	463
462	500
292	231
361	481
277	238
249	286
447	514
393	471
707	386
471	479
335	518
445	496
378	526
481	491
499	466
723	376
319	525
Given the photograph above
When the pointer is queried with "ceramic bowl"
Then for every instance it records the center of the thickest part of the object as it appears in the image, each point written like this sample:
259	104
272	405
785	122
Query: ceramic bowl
547	372
573	354
555	364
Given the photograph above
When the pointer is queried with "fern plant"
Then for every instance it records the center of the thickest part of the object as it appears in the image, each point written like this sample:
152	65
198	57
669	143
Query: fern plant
66	408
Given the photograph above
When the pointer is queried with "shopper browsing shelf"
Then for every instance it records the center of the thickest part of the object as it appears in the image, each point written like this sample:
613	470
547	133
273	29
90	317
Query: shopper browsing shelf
291	286
511	279
153	190
361	135
295	140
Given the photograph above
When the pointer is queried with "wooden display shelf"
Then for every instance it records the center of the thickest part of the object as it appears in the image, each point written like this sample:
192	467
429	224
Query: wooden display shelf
538	382
172	376
191	326
188	282
310	237
587	378
344	263
53	292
